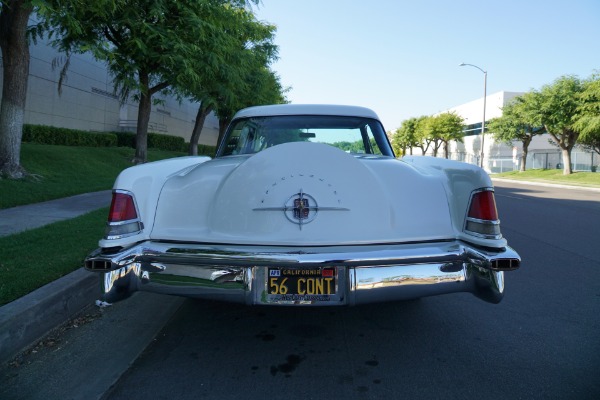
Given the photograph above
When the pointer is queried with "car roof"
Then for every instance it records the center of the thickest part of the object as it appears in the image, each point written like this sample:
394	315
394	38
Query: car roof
306	109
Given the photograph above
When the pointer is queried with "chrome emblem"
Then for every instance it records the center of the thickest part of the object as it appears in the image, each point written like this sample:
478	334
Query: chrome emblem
301	208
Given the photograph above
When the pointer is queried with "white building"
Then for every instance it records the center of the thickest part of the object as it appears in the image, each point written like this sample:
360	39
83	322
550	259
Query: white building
501	157
87	101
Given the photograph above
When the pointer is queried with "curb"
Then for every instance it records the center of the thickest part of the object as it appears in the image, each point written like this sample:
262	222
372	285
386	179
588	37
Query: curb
26	320
544	184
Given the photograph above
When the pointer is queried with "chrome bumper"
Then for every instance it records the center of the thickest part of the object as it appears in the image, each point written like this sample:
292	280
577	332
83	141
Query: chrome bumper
366	274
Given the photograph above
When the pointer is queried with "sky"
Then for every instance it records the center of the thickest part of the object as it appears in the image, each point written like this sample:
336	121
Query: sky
401	58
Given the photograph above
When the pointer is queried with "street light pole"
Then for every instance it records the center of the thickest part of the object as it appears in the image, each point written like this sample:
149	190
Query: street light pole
484	99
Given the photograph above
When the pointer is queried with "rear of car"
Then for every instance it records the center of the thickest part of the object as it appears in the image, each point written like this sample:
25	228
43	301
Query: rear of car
304	205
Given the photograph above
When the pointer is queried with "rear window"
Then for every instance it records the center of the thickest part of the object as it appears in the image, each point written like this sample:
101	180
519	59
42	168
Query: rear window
353	135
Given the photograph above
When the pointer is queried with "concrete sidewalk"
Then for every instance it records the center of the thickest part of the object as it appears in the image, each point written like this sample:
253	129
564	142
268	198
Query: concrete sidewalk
75	355
26	320
18	219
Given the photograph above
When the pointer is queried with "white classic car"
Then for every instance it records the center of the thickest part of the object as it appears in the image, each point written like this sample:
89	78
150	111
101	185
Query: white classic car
303	205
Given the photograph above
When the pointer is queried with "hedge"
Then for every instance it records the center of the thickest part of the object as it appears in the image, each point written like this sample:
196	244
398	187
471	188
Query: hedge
155	141
42	134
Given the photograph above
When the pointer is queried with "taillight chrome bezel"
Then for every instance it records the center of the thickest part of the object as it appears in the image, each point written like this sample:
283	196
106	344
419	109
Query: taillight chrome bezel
482	228
122	229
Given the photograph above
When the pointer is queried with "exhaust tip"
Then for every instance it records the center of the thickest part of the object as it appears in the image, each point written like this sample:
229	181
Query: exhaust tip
98	265
505	264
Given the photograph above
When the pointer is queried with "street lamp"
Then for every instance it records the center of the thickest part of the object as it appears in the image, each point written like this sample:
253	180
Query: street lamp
484	96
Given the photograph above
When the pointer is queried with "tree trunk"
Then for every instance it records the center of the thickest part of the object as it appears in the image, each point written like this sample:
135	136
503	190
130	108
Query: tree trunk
198	125
525	143
566	155
446	150
15	60
566	140
523	167
145	107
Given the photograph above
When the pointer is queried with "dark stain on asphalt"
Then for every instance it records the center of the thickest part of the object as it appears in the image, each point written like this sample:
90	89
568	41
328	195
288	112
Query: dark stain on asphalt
362	389
292	362
372	363
377	381
307	331
266	336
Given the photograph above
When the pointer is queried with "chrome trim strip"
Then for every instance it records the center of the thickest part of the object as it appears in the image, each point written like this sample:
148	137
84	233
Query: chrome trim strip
367	273
483	221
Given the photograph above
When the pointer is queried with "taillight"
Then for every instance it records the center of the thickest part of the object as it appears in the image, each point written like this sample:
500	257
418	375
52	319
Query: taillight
122	208
123	218
483	206
482	217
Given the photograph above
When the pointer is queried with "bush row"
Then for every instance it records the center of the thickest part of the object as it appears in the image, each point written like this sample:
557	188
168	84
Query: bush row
155	141
42	134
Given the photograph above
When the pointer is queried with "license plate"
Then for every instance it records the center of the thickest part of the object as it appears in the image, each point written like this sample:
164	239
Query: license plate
302	284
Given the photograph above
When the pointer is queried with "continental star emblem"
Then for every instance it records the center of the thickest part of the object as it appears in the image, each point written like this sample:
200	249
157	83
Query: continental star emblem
301	208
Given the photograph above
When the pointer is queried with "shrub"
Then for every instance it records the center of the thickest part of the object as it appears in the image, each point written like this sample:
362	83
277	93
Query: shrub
125	139
205	150
155	141
43	134
166	142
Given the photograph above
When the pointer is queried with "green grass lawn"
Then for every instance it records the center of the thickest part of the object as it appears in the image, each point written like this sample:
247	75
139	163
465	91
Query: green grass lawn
554	176
31	259
61	171
34	258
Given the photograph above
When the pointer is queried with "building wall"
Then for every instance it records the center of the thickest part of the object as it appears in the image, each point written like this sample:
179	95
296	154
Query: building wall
498	156
472	112
87	101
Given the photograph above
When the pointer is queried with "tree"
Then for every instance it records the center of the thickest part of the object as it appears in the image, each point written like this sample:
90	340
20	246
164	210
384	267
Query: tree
255	50
404	137
440	130
588	114
517	123
14	43
447	126
423	138
263	87
149	45
14	18
555	108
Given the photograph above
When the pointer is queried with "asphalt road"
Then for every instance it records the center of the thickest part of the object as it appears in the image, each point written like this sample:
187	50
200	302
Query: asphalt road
541	342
